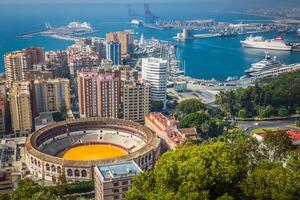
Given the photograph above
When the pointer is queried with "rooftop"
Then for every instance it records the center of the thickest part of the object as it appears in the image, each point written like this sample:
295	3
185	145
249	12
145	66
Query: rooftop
119	170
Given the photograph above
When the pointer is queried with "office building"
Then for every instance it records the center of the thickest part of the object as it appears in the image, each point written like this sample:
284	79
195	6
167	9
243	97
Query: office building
98	94
136	101
3	110
112	181
20	108
126	38
113	52
52	95
154	72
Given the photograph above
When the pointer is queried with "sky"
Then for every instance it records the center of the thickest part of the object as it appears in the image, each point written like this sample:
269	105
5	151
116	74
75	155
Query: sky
211	4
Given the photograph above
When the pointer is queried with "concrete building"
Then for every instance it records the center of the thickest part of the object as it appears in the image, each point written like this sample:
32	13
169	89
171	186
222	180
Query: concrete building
126	38
112	181
98	94
18	62
136	101
113	52
154	72
52	94
36	54
20	108
167	129
3	110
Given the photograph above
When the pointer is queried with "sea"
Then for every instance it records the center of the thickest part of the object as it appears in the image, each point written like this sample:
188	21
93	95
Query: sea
216	58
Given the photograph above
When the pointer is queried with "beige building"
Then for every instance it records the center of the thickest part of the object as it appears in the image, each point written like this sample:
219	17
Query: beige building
52	94
17	63
136	101
126	38
20	107
112	181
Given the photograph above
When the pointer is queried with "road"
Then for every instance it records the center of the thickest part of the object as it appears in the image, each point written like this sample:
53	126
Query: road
281	124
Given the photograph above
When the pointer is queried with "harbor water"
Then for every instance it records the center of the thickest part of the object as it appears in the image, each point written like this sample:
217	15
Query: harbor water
204	58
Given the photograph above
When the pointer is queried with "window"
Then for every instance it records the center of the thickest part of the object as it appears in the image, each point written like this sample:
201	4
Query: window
83	173
116	190
53	169
70	172
59	170
116	184
47	167
76	172
116	197
125	183
124	189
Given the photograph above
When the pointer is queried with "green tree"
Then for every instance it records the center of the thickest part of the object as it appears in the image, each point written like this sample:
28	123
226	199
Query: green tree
64	111
283	112
189	106
242	113
265	112
207	171
272	181
277	144
25	190
196	120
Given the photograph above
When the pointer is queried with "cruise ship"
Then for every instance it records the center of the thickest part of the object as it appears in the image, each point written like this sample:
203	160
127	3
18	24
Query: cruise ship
260	43
266	64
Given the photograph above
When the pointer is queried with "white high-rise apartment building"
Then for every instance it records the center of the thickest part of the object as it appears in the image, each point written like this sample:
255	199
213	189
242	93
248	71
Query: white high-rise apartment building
154	72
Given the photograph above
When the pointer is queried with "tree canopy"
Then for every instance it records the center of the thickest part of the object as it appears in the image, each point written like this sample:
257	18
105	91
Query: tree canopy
240	168
279	97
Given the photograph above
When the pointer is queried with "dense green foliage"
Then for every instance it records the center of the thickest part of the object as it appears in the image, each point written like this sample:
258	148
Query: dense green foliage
192	113
240	168
29	190
189	106
279	97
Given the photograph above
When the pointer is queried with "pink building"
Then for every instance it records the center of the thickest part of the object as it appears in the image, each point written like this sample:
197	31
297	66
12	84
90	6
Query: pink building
98	94
167	129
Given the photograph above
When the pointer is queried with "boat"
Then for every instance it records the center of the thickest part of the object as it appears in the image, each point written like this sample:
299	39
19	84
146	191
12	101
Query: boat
260	43
137	22
266	64
298	31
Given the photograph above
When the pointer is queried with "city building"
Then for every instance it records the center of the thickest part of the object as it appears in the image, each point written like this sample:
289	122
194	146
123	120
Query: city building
3	110
154	72
21	107
167	129
98	94
126	38
113	52
136	101
36	54
112	181
52	95
16	64
79	61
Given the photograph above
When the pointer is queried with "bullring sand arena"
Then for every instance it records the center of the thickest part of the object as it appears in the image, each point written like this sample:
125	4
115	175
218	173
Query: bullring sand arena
92	152
75	146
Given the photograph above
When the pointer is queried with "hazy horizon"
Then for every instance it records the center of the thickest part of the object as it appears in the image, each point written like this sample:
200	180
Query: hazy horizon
211	3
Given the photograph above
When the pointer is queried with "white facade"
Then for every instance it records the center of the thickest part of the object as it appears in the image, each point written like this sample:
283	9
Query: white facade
154	72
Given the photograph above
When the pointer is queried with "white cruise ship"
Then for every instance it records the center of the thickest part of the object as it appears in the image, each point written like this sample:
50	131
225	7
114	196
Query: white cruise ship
266	64
260	43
